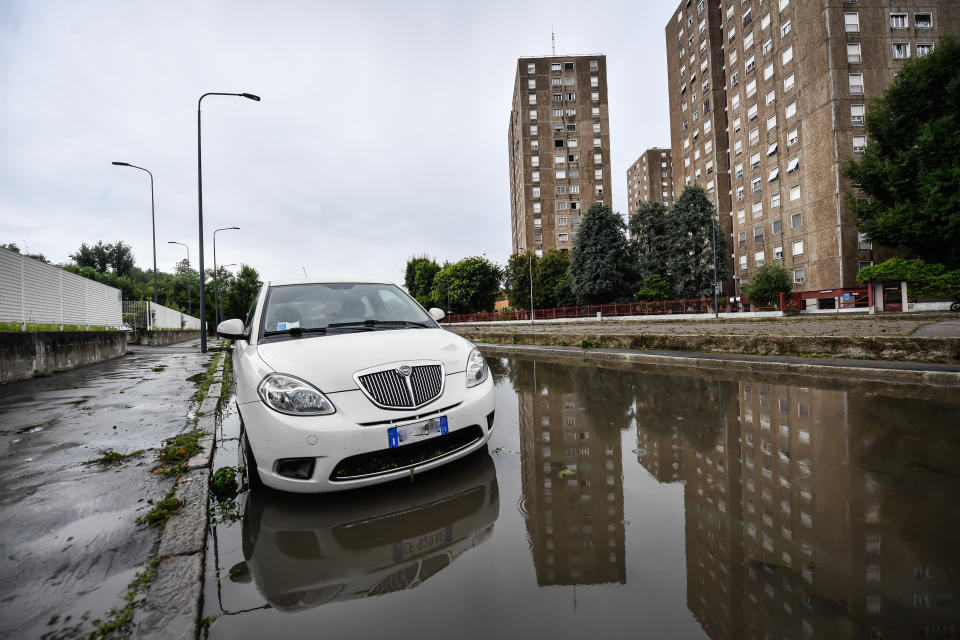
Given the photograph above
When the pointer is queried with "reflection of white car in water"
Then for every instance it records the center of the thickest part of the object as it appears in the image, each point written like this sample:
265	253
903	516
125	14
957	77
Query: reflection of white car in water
303	551
345	384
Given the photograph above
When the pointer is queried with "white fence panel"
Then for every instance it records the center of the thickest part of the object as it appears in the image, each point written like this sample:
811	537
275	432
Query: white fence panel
143	314
33	292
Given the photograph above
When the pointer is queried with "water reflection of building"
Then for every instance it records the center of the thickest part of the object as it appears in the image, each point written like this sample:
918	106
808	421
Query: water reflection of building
801	520
572	488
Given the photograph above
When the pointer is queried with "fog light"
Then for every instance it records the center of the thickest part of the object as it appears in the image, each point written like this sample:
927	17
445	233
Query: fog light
298	468
490	420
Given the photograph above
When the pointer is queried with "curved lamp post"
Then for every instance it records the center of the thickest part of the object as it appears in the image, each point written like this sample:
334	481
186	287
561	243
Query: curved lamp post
203	318
220	295
216	278
189	301
153	223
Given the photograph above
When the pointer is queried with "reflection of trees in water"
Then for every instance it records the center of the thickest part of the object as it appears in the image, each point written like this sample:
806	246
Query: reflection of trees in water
692	406
911	452
501	369
607	397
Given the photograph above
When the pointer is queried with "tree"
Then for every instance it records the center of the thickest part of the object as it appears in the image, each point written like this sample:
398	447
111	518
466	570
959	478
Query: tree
926	280
241	293
551	281
767	284
655	287
117	257
36	256
601	268
911	167
468	286
693	225
651	238
516	279
418	279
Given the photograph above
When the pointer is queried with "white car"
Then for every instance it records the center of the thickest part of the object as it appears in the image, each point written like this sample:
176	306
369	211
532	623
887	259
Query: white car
347	384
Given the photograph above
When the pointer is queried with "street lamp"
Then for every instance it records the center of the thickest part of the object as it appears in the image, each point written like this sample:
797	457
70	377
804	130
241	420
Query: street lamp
203	318
153	223
216	279
189	301
220	296
713	227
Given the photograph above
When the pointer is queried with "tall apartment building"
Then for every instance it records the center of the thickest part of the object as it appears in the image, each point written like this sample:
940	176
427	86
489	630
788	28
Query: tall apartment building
790	81
559	147
650	179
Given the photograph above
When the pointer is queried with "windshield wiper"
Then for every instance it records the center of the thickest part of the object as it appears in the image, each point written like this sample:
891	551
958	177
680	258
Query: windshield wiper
295	331
378	323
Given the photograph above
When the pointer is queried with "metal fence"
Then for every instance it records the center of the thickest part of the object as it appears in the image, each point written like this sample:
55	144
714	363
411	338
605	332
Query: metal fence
143	314
33	292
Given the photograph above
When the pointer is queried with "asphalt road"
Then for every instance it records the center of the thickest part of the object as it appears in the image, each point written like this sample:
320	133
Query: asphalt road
68	536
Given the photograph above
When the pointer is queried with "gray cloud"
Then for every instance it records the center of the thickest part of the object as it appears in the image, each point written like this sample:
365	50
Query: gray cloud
382	130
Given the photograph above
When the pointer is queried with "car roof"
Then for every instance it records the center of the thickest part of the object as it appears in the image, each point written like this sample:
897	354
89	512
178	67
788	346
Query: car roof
280	283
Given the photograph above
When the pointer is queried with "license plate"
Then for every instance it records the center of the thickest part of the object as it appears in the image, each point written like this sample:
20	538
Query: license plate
405	549
417	431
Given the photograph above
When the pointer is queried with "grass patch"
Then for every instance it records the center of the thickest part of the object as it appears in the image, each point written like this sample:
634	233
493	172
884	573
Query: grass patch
204	385
159	368
121	617
111	458
226	390
176	451
162	510
224	483
16	327
587	343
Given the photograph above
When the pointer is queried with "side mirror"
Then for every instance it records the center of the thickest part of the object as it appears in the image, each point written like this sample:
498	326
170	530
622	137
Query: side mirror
437	314
232	329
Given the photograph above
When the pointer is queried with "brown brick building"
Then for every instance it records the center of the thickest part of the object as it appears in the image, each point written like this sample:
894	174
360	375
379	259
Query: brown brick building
650	179
559	147
783	85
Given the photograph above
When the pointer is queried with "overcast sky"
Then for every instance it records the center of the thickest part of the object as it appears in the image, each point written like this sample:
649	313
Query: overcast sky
382	131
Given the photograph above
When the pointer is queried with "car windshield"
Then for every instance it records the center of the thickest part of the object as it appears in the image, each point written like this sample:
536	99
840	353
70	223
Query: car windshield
339	307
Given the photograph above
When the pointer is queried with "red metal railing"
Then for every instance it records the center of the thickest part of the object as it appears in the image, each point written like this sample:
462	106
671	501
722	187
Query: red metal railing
658	307
846	298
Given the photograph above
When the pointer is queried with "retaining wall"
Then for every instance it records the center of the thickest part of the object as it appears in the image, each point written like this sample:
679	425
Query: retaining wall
157	338
26	354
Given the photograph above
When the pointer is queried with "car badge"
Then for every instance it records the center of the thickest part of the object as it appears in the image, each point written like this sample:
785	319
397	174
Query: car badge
405	371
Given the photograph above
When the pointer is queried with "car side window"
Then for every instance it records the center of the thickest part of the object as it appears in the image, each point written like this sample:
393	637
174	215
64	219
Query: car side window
249	320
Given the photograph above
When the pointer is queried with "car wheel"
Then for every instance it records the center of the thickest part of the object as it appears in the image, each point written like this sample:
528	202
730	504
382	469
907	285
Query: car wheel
955	306
250	464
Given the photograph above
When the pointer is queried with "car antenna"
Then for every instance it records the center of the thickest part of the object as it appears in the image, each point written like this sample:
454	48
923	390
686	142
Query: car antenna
305	272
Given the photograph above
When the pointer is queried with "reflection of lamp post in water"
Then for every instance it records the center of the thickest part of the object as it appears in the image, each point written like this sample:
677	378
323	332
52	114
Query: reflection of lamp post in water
189	301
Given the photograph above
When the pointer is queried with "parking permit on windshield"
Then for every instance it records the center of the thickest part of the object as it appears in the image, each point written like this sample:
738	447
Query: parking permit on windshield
417	431
283	326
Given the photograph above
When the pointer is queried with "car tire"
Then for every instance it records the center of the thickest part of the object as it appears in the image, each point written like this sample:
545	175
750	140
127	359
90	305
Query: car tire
254	483
955	306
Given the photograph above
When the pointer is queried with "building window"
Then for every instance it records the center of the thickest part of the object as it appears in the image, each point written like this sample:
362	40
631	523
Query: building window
778	253
598	174
774	174
864	242
751	88
755	161
743	263
555	66
856	114
859	145
533	114
771	97
537	223
794	193
561	189
767	46
750	64
765	21
594	66
571	143
772	148
596	142
755	185
777	225
563	237
535	176
534	144
792	138
785	28
923	48
898	21
569	81
788	82
533	130
532	84
595	112
595	96
736	124
536	192
754	136
796	221
531	67
742	239
748	41
772	122
741	215
557	97
740	193
775	201
793	165
594	81
901	50
739	170
574	188
923	20
556	82
536	207
568	66
561	221
791	110
851	22
561	174
758	209
853	53
798	276
798	247
561	205
572	127
758	259
786	56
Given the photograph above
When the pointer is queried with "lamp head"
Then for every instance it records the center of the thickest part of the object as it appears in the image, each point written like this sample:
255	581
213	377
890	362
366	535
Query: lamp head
121	164
250	96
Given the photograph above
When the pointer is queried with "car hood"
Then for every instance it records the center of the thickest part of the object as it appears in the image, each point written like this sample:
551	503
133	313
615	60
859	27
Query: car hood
329	362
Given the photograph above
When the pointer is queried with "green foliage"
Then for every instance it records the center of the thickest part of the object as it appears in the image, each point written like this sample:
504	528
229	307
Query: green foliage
516	279
239	292
111	458
768	283
651	239
692	225
552	286
223	483
468	286
36	256
116	258
162	510
926	280
601	265
418	279
911	167
655	287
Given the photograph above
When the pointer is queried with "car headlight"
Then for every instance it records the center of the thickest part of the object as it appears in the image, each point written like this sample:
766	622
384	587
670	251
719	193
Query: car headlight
477	370
293	396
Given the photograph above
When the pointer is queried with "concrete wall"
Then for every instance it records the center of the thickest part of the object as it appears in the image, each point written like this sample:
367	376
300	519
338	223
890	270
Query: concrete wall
157	338
24	355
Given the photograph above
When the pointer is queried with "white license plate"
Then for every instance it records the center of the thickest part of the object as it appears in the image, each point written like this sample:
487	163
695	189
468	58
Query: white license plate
417	431
405	549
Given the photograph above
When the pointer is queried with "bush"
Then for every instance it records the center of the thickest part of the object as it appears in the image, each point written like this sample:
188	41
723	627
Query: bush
655	288
768	283
927	280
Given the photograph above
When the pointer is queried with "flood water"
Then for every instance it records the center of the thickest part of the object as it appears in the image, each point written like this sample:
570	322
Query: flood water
617	503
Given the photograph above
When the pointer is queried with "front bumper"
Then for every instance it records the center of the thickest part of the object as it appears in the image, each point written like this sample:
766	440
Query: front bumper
358	427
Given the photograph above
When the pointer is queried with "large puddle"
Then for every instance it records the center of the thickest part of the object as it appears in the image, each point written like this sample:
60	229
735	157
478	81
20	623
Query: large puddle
625	503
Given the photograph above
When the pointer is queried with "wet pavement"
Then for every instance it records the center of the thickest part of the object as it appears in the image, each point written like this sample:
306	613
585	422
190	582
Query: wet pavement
69	543
618	502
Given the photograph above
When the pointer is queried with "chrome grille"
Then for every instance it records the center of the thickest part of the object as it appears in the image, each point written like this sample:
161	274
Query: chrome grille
392	390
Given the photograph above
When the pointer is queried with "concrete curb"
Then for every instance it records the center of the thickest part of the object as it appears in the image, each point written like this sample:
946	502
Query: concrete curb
732	363
172	605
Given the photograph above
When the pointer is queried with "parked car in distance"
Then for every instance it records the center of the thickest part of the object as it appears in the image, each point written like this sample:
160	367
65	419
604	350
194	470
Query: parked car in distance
347	384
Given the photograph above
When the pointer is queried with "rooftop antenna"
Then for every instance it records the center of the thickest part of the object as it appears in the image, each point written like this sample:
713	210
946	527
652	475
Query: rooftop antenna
553	40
